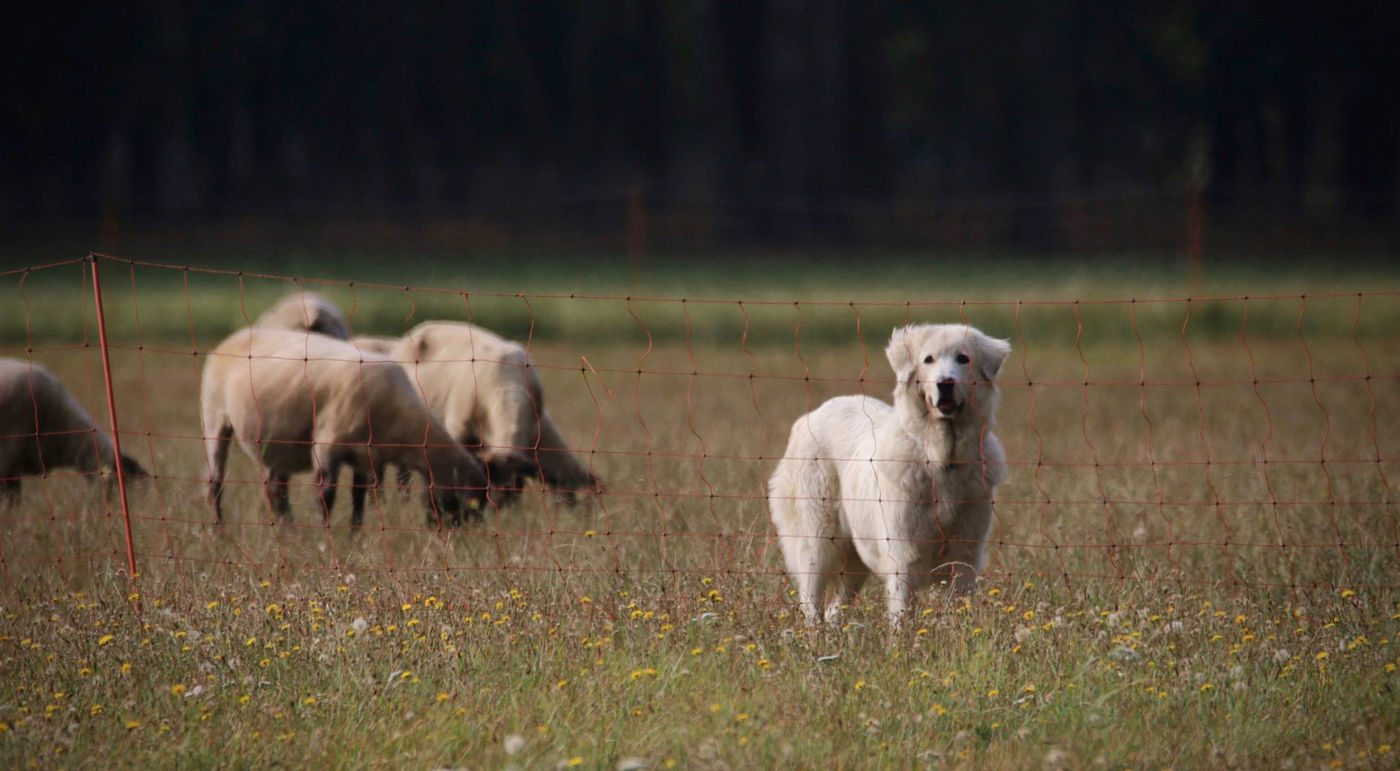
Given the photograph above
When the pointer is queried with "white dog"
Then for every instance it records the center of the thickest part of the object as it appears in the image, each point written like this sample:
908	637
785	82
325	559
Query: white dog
903	492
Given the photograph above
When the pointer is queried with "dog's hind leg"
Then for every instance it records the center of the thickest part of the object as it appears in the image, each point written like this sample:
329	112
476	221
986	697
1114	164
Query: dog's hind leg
848	583
803	516
809	562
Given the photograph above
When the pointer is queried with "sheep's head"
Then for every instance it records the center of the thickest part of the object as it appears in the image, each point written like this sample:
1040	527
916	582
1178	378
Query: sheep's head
130	468
579	487
457	490
506	470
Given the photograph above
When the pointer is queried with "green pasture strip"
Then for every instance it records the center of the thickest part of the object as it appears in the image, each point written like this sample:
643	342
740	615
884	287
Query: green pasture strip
763	302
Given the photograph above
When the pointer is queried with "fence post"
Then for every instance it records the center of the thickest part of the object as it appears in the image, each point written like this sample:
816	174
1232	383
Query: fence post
112	412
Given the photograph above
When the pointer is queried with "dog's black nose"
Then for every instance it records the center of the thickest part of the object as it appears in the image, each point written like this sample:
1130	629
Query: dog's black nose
945	386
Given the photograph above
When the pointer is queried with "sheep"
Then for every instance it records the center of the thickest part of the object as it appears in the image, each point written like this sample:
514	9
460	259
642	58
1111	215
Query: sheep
42	427
306	312
487	393
299	402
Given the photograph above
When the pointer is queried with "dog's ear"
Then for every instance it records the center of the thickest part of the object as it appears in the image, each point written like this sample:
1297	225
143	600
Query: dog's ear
901	354
989	353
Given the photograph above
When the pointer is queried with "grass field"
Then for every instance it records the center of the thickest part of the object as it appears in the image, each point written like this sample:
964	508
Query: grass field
1194	561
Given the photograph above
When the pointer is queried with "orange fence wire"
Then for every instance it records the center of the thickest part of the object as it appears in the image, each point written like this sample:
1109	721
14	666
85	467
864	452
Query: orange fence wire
1232	440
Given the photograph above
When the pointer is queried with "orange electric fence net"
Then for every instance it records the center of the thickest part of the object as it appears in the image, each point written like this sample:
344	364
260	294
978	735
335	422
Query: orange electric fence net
626	442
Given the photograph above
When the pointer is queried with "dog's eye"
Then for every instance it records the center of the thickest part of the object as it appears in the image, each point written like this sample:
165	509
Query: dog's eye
962	358
928	359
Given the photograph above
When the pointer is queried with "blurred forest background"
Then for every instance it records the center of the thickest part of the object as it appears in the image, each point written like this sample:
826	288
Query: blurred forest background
1072	126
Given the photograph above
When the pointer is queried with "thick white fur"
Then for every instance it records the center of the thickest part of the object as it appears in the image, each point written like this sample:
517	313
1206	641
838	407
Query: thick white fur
900	492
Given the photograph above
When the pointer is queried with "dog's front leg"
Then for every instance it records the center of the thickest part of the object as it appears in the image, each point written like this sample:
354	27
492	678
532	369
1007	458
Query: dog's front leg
811	585
900	590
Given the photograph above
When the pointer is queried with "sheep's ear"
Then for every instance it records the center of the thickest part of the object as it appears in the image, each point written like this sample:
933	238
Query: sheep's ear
900	354
990	353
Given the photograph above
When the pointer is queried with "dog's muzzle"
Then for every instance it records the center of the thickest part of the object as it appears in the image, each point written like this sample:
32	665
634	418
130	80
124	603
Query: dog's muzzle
947	403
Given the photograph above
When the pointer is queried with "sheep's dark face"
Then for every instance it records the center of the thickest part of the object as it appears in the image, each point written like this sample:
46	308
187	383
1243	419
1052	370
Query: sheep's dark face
578	488
454	506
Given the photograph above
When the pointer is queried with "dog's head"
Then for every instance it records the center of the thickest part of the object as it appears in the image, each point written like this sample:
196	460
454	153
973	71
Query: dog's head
950	368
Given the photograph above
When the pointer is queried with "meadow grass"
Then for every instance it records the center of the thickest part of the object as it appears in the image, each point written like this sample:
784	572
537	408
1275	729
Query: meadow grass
1193	562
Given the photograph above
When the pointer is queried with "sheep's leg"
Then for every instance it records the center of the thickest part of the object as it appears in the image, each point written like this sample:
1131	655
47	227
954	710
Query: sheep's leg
359	485
430	502
216	454
326	460
10	492
325	488
275	490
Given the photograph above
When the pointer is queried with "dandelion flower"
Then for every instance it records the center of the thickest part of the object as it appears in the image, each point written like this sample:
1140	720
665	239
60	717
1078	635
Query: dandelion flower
178	689
992	694
575	761
1206	687
104	639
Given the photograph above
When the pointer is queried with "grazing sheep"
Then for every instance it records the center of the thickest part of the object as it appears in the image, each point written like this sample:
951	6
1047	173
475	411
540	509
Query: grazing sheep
306	312
299	402
42	427
487	393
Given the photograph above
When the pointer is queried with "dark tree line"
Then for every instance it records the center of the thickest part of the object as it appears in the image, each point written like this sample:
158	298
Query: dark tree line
152	110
